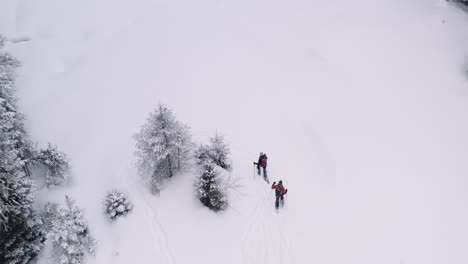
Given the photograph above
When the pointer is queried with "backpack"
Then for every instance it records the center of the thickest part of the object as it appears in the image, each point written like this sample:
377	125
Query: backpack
278	192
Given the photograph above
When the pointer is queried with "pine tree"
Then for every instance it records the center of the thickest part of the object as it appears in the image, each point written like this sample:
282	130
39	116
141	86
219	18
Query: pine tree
15	188
57	165
69	234
163	145
117	204
15	143
210	189
21	237
50	212
217	152
23	242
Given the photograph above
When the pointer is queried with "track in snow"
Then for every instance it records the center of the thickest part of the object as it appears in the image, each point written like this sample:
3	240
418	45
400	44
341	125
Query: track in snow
159	235
265	240
160	242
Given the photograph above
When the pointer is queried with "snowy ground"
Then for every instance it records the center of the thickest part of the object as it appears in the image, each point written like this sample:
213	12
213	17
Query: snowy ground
361	106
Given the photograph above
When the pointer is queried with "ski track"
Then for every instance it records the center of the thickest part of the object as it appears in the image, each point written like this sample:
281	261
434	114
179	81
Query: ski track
245	246
265	240
158	233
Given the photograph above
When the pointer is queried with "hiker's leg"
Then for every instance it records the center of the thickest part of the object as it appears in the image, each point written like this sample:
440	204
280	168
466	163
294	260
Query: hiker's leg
277	202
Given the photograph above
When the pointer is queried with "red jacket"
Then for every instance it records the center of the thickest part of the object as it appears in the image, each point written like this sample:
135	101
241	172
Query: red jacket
280	186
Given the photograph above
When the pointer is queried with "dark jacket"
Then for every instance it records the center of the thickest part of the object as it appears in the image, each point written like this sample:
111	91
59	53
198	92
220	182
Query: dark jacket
262	161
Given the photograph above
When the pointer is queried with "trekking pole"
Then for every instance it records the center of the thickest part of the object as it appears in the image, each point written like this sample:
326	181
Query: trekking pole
254	171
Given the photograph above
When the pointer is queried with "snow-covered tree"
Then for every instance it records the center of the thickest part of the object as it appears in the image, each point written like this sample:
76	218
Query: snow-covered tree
70	235
20	226
163	145
210	187
15	143
217	151
23	241
117	204
15	147
50	212
56	163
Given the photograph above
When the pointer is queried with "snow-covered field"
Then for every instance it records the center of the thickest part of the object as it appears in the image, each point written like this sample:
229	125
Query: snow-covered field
361	106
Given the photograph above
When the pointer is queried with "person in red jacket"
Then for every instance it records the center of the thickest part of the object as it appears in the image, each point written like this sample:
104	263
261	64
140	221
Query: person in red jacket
280	191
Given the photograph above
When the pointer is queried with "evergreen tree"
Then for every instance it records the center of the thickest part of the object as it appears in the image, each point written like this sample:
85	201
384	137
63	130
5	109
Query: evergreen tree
117	204
15	144
210	188
51	210
57	165
163	145
23	241
69	234
20	226
217	152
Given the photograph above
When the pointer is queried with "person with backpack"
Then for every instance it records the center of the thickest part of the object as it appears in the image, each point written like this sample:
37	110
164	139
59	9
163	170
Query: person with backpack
262	163
280	191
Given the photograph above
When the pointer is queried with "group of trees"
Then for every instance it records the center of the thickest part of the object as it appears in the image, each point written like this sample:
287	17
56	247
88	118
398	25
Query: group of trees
23	228
21	237
164	149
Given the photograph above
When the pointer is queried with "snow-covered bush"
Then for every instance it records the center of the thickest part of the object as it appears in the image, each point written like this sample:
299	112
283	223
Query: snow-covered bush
117	204
70	235
210	188
163	146
217	152
57	165
21	237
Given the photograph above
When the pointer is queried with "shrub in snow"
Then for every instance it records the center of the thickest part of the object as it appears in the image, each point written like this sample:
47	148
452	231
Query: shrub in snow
57	165
163	145
21	237
210	188
69	234
217	152
117	204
